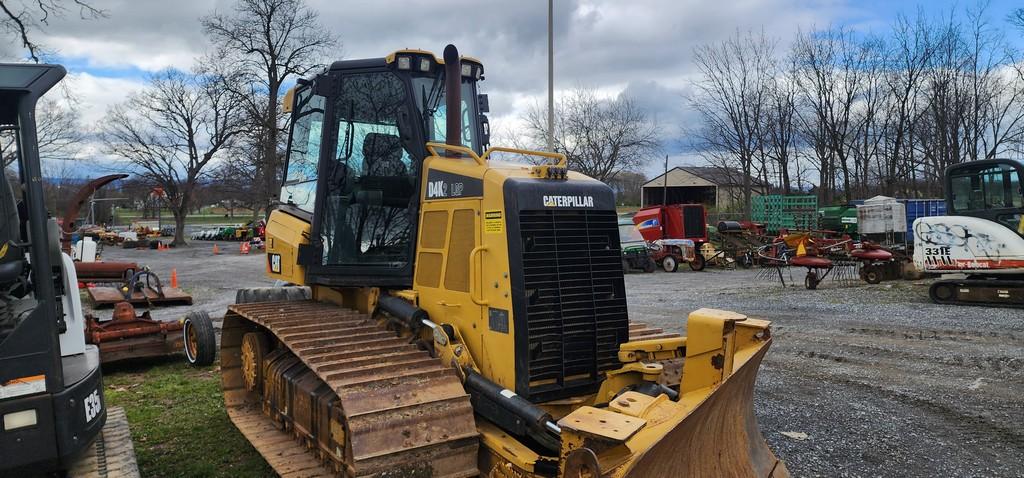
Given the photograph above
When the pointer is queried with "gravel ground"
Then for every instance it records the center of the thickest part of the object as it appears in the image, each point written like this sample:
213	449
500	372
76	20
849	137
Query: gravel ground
883	382
211	279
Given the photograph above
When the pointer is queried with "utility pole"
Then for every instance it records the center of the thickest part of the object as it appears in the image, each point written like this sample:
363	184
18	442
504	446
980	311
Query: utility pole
551	76
664	184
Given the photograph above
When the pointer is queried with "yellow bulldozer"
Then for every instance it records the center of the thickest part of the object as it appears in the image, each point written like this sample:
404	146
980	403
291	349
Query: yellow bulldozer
445	314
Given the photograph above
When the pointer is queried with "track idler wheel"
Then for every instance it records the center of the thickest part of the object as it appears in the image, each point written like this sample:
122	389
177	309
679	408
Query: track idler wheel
200	339
942	292
254	348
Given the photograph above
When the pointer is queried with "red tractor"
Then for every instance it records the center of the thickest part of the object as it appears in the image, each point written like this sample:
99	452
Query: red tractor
675	233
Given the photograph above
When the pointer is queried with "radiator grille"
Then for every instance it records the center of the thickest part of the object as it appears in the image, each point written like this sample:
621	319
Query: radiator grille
575	297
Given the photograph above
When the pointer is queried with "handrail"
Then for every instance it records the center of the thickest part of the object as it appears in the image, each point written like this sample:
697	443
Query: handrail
432	147
544	154
473	275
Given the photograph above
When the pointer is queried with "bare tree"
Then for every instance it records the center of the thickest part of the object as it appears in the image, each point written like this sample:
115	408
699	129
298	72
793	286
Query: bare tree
1016	18
599	137
911	54
59	132
732	100
780	132
268	42
829	67
19	18
171	131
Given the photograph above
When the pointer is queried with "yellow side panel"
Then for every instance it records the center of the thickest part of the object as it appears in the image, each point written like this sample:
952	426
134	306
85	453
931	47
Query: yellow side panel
435	226
463	240
284	234
488	328
428	269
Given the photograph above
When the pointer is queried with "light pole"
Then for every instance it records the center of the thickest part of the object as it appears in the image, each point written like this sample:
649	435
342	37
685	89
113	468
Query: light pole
551	76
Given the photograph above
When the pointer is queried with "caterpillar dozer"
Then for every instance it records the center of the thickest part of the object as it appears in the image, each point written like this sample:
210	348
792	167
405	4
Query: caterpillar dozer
982	237
447	314
51	388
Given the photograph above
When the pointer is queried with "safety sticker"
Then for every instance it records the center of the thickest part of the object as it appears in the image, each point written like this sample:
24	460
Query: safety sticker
23	386
493	222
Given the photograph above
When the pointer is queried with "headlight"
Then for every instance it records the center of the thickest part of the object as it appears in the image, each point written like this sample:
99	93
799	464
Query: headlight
424	64
404	63
22	419
467	69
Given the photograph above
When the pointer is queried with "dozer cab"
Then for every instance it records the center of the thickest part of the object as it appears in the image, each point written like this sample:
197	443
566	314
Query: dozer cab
451	315
51	390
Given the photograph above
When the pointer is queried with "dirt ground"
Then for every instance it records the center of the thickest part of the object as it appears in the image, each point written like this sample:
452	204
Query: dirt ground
882	382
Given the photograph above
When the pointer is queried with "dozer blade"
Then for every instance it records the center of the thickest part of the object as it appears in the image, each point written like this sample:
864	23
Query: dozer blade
709	431
718	438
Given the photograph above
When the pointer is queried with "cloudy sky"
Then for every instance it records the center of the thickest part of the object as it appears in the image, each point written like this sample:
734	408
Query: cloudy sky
641	47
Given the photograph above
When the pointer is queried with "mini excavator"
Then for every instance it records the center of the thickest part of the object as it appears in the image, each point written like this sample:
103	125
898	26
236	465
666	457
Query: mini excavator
447	314
982	236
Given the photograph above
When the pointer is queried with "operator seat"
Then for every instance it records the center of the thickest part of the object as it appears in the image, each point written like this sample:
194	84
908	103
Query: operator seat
382	155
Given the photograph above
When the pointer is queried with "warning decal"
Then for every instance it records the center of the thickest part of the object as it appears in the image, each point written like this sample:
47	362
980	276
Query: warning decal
493	222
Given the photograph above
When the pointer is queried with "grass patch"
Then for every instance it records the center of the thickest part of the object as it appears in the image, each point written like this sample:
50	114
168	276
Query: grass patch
178	423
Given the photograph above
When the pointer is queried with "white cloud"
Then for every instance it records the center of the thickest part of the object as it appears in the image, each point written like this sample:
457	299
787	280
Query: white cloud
642	48
96	93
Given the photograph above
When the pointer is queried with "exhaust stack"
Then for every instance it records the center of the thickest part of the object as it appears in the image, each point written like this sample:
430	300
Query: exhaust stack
453	97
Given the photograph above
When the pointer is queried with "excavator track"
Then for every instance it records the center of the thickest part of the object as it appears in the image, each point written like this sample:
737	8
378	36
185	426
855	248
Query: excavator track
111	454
393	410
987	292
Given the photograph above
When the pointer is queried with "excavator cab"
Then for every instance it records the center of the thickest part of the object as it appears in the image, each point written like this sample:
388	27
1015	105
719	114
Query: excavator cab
989	189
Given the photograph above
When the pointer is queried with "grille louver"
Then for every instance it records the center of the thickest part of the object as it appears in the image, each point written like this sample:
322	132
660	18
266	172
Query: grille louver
575	298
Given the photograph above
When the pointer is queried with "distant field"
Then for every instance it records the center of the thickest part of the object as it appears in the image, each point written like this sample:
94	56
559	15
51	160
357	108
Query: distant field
241	217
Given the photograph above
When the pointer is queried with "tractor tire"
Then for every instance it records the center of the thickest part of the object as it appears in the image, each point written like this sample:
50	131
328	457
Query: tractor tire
626	269
669	264
650	266
698	263
872	275
200	339
746	261
811	280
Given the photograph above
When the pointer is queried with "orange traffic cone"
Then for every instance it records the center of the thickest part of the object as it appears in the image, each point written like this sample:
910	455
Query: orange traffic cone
244	247
174	278
216	250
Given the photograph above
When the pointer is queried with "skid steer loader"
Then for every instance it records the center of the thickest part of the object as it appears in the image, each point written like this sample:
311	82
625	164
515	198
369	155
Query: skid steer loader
51	390
451	315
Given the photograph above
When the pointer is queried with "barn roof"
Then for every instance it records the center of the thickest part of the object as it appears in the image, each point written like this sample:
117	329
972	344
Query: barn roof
718	176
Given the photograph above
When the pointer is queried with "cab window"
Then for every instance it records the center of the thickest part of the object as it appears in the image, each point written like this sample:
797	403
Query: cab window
299	187
990	188
430	99
371	180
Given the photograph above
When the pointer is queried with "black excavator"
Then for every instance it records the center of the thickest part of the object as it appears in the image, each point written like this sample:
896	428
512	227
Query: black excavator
54	419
